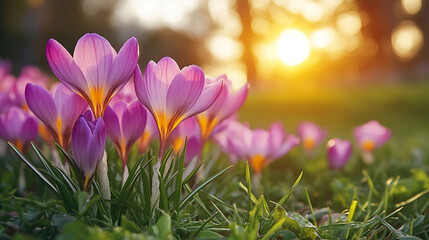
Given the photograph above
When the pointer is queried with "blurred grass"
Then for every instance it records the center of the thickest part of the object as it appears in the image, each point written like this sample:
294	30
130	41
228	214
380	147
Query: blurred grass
403	107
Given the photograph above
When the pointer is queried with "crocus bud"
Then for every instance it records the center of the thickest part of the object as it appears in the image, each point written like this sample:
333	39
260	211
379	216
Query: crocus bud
88	143
339	152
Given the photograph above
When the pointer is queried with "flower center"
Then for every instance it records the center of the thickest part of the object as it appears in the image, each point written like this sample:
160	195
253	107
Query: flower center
257	162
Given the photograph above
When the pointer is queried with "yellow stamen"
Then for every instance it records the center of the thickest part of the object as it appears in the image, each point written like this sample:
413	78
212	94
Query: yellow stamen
87	183
44	133
97	101
258	163
60	135
123	150
206	125
178	144
143	141
19	145
308	143
368	145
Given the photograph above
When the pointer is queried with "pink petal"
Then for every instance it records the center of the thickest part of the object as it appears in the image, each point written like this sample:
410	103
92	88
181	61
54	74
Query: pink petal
65	68
93	54
208	96
69	105
133	122
185	89
123	65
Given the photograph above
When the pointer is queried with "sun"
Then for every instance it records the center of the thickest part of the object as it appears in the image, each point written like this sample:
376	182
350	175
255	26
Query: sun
293	47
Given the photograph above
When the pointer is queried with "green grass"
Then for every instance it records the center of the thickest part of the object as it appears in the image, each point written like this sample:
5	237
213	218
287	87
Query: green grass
299	197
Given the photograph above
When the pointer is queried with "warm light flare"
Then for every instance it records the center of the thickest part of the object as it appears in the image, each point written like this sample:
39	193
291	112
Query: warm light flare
293	47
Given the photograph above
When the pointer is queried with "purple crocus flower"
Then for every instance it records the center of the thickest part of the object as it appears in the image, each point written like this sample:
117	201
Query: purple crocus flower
311	135
228	102
88	142
58	112
261	147
172	94
189	130
125	123
339	152
95	72
371	135
18	127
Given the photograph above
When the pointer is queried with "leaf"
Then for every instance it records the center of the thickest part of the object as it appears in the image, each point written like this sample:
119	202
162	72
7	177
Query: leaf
29	164
192	194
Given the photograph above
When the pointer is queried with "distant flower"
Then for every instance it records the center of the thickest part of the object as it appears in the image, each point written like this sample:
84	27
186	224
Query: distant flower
58	112
311	135
173	95
125	123
189	130
88	143
18	127
339	152
228	102
29	74
369	136
95	72
261	147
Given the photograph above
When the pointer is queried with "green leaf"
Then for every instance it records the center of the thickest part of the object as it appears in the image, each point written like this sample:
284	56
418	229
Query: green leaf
192	194
29	164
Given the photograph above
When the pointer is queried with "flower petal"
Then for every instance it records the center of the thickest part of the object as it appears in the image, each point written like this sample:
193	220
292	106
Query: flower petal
123	66
40	102
93	54
111	121
185	89
133	122
65	68
208	96
69	105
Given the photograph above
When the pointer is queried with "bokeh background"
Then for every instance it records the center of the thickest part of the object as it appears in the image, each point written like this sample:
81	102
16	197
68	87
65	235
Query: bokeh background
338	63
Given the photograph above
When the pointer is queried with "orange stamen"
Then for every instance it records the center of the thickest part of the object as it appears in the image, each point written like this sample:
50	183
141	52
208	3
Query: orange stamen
258	163
206	125
97	101
368	145
60	135
308	143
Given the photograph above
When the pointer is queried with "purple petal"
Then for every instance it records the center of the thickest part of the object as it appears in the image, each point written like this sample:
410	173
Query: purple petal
123	66
40	102
65	68
185	89
93	55
97	144
208	96
228	101
339	152
81	137
290	142
113	126
29	130
69	105
133	122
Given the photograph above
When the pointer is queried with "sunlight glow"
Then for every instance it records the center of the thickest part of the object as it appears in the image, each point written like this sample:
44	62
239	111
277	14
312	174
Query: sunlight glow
407	40
411	7
323	37
293	47
225	48
349	23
